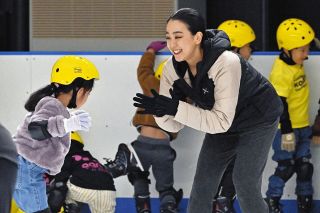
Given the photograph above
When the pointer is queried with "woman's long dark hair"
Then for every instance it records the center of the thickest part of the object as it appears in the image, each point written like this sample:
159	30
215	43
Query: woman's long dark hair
192	19
52	89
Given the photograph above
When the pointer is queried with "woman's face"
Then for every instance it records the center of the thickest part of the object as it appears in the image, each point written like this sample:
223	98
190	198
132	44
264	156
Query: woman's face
181	43
300	54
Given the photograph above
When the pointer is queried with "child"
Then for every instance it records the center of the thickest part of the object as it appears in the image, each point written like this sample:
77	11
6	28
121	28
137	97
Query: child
241	36
152	147
292	142
43	138
82	179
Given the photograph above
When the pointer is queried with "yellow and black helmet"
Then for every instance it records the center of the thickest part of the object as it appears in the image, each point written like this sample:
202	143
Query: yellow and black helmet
293	33
159	69
67	68
239	32
76	137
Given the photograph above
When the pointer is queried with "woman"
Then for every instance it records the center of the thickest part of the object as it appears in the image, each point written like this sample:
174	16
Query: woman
234	104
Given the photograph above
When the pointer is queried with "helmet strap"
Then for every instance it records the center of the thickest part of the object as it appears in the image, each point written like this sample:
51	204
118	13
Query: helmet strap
73	102
287	58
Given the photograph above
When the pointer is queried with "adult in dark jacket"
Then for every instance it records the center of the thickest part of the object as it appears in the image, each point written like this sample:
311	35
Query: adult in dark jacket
233	104
8	169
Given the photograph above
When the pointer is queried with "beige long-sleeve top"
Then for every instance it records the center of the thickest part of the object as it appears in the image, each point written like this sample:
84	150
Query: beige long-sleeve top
226	75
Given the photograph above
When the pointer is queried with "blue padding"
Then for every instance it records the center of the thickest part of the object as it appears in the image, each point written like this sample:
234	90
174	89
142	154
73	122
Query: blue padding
126	205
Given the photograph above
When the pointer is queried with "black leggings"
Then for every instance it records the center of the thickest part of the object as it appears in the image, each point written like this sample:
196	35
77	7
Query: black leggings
8	171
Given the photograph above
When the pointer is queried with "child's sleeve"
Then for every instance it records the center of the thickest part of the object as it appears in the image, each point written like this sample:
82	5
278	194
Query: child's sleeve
282	81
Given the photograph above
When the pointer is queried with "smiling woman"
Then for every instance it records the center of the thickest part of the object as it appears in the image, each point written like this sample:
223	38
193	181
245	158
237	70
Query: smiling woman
232	103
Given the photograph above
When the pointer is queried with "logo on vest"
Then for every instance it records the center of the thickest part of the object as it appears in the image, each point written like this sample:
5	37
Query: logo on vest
205	91
300	82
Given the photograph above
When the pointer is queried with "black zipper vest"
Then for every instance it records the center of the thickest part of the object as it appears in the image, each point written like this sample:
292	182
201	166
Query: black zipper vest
258	101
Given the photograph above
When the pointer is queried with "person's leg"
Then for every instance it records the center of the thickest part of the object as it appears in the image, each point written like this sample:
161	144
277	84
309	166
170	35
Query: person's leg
225	197
162	168
226	186
304	170
104	201
216	153
252	153
125	160
77	195
140	179
30	192
7	183
284	171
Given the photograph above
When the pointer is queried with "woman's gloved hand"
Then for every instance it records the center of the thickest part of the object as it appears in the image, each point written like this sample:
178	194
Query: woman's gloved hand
157	105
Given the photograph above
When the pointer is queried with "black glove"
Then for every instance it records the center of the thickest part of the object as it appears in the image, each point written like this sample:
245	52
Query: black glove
176	93
158	105
182	86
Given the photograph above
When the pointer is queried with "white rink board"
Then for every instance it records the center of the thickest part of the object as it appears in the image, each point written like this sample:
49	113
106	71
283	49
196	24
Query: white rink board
110	105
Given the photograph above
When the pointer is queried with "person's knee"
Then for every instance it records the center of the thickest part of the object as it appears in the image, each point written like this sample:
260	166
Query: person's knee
140	181
141	176
56	195
304	169
285	170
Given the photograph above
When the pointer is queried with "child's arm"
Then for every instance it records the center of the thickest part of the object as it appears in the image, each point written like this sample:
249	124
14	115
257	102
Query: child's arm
287	134
50	120
145	73
316	129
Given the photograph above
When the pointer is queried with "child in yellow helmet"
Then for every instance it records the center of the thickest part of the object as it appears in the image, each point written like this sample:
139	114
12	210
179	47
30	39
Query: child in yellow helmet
152	147
292	142
241	36
83	179
43	138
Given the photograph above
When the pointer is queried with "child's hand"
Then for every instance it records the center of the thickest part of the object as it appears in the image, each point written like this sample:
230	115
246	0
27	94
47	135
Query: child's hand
316	131
316	140
79	120
157	45
288	142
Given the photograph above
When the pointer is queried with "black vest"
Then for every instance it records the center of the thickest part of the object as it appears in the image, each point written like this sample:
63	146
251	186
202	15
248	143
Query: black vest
258	101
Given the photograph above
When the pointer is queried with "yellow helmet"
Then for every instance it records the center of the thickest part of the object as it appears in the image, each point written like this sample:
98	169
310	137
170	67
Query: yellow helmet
159	69
239	32
68	68
75	136
293	33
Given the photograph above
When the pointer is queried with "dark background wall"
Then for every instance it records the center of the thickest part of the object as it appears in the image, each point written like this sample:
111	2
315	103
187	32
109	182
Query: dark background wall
14	25
263	16
308	11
